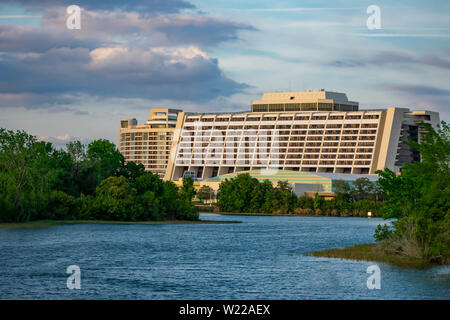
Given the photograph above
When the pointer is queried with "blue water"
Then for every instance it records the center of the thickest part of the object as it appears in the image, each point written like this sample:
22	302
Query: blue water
260	258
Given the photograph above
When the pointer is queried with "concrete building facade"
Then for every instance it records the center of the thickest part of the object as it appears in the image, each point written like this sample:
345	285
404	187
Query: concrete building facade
149	143
314	132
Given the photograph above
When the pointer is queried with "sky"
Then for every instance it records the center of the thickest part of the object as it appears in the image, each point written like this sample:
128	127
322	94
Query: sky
211	56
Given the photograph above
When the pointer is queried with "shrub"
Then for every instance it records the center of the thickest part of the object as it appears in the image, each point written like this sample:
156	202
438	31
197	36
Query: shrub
382	232
60	206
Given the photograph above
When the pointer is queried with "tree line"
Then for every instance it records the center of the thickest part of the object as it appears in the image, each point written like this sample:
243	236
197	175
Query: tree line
246	194
91	181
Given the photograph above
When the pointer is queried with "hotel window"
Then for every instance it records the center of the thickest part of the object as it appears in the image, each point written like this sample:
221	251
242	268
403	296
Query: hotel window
220	119
308	106
292	106
260	107
276	107
371	116
301	126
334	126
369	125
332	117
353	117
368	131
325	106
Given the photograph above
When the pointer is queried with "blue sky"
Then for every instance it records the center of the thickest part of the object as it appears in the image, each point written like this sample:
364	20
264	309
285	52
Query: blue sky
211	56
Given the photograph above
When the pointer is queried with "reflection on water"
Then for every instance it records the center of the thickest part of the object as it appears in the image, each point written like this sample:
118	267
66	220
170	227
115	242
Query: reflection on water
260	258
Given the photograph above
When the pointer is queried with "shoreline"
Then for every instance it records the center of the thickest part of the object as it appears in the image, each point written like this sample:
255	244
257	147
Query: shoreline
372	253
281	215
51	223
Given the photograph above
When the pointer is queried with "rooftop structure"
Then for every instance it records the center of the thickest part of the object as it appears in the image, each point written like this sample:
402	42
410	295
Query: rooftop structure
304	101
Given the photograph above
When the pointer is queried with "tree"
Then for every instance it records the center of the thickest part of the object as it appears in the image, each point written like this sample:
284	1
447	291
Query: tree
361	189
305	202
131	170
285	198
318	202
38	181
419	199
246	194
77	152
187	190
236	194
205	193
102	160
115	199
27	175
342	189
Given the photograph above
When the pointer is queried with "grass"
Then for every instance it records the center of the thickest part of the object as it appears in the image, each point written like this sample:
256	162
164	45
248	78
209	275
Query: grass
371	252
50	223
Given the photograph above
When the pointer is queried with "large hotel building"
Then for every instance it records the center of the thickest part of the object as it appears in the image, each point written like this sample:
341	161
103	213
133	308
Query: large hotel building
314	132
150	143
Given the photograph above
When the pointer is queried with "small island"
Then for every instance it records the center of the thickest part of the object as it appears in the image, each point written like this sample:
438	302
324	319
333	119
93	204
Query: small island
41	186
371	252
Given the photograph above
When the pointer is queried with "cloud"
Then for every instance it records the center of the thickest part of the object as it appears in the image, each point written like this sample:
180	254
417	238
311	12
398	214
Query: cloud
158	30
144	6
418	96
61	141
391	58
18	17
120	71
115	55
419	89
404	35
49	102
296	9
30	40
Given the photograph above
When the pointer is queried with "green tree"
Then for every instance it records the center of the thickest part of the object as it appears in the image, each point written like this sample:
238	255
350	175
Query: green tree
205	193
361	189
115	200
419	199
40	182
102	160
27	175
305	202
187	191
131	170
342	189
318	202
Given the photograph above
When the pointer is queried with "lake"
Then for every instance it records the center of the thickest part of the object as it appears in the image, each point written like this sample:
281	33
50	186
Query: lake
261	258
